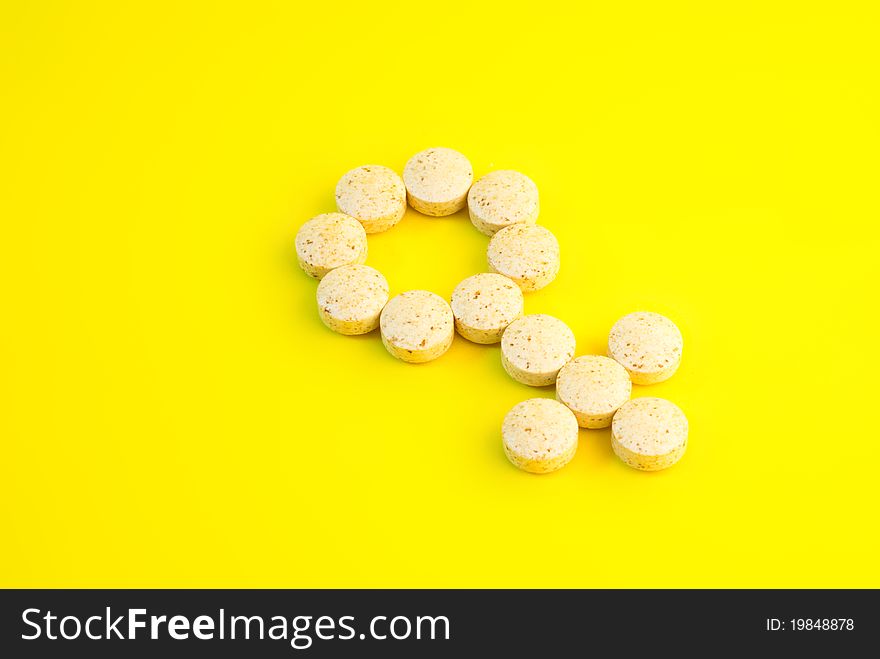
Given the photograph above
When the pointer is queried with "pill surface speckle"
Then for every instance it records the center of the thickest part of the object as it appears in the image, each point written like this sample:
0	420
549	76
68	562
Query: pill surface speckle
374	195
647	345
329	241
649	433
526	253
350	299
502	198
437	181
539	435
535	347
417	326
593	387
484	305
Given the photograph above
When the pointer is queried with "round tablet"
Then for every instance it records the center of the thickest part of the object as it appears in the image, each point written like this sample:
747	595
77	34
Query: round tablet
374	195
535	347
417	326
484	305
593	387
647	345
649	433
527	253
539	435
437	181
502	198
351	298
329	241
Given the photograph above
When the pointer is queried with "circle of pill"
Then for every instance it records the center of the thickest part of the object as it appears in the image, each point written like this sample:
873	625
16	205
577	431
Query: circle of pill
417	326
539	435
437	181
526	253
484	304
372	194
535	347
329	241
502	198
351	297
649	433
647	345
593	387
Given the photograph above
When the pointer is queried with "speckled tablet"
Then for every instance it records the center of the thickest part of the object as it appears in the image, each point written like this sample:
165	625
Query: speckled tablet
502	198
649	433
329	241
374	195
535	347
593	387
647	345
417	326
484	305
527	253
437	181
350	299
539	435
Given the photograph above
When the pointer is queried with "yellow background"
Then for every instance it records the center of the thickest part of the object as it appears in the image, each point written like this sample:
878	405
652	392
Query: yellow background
175	414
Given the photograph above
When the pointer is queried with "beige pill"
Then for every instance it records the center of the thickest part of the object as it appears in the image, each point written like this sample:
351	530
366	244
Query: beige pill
374	195
351	298
539	435
437	181
593	387
527	253
329	241
417	326
649	433
647	345
484	305
535	347
502	198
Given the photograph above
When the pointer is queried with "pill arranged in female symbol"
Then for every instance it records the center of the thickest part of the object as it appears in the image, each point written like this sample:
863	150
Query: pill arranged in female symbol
539	435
